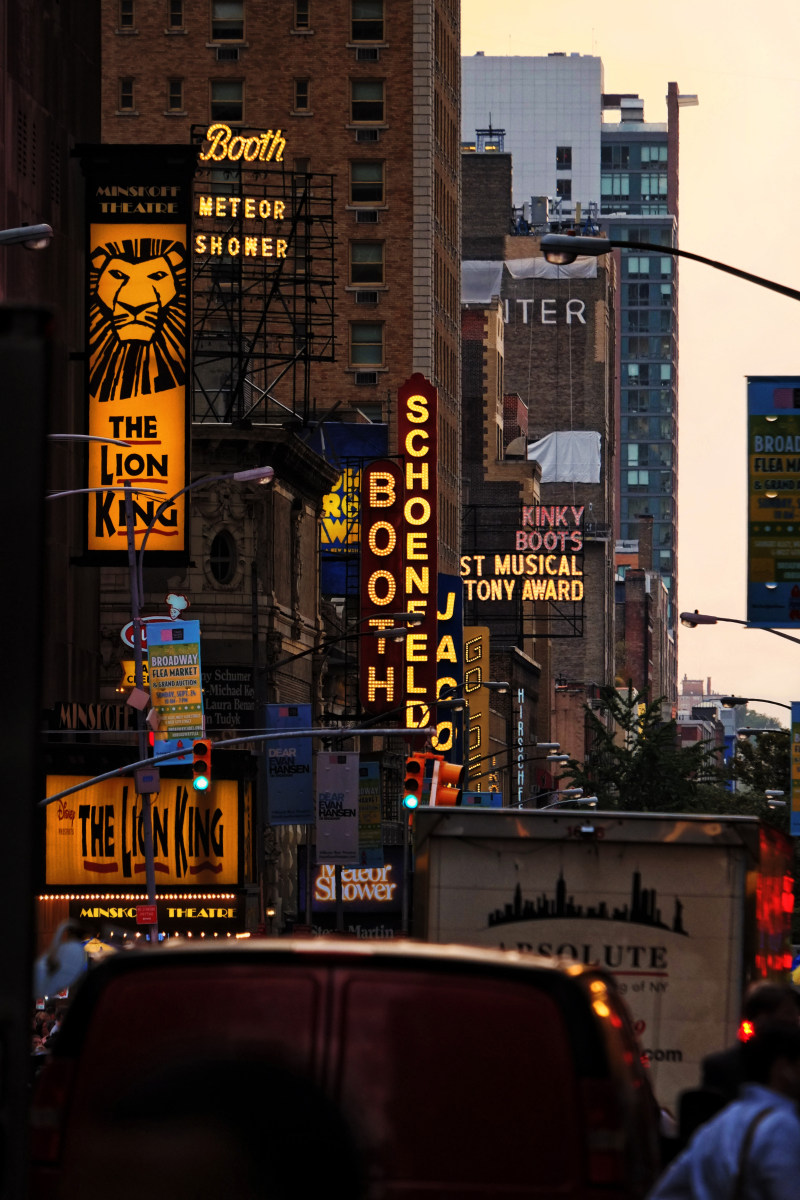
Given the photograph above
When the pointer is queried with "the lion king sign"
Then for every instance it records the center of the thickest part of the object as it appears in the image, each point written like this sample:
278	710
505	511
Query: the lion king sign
139	214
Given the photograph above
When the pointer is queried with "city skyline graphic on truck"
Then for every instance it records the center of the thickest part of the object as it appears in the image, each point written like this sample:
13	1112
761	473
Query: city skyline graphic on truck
642	909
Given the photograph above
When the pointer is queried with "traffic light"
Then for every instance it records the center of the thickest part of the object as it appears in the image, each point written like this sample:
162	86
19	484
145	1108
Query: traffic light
448	787
201	765
413	781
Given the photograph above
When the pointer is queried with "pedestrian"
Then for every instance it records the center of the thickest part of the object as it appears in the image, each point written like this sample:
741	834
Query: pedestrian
762	1002
751	1149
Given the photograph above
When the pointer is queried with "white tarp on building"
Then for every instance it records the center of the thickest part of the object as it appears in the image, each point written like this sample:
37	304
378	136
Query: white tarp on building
568	456
482	278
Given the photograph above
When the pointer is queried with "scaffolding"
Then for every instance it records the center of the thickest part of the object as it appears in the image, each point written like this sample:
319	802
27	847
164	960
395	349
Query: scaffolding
262	290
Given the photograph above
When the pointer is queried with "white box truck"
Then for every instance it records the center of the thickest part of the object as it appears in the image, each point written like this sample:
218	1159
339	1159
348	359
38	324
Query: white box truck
683	910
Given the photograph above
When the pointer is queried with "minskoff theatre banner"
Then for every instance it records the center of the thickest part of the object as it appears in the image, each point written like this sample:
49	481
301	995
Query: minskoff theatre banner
138	201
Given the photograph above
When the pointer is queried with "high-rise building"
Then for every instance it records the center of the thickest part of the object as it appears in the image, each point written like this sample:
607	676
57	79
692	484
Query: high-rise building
575	169
366	96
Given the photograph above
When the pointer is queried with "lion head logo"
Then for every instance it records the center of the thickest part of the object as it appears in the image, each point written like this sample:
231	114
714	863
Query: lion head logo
137	318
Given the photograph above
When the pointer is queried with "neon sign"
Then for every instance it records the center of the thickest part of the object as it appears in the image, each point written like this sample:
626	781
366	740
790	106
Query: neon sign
417	425
382	497
225	144
554	571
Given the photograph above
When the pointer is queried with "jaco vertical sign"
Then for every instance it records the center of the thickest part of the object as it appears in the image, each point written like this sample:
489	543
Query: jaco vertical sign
139	331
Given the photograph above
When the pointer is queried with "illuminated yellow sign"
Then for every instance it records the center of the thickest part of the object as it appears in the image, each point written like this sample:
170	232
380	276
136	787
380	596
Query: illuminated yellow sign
96	835
224	144
417	433
476	667
137	381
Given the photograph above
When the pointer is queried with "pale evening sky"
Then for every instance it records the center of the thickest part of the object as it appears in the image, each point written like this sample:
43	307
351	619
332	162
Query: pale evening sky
739	204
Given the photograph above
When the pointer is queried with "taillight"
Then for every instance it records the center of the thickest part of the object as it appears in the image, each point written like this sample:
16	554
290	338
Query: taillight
605	1133
48	1110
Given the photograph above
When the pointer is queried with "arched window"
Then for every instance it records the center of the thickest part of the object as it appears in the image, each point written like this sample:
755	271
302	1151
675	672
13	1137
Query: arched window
222	557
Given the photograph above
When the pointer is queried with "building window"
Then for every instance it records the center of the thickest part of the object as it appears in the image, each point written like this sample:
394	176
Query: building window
227	20
653	186
366	100
176	14
126	95
614	158
564	189
637	264
302	14
366	344
654	154
367	21
227	100
126	18
563	158
302	166
366	263
175	95
616	186
301	92
222	557
366	183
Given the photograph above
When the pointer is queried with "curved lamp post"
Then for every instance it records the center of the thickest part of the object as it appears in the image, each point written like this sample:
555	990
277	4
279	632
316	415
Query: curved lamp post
32	237
692	619
562	249
589	801
737	701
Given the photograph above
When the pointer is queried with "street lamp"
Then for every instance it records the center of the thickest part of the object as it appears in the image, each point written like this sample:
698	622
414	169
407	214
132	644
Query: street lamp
562	249
32	237
568	798
692	619
737	701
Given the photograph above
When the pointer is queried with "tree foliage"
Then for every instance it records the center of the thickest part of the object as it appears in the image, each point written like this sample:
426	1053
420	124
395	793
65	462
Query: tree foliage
636	763
763	761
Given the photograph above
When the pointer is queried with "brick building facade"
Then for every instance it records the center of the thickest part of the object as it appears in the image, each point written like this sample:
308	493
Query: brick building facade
558	359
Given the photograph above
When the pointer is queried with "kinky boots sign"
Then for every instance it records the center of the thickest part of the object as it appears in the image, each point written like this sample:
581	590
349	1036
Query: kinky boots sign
95	837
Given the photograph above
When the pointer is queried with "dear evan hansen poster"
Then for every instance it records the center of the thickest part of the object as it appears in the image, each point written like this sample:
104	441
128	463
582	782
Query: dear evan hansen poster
290	796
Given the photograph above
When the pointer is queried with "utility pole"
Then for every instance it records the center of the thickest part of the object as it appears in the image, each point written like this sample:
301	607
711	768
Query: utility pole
138	679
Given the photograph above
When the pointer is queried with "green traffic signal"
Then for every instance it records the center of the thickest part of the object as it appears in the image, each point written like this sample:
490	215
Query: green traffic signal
201	765
412	783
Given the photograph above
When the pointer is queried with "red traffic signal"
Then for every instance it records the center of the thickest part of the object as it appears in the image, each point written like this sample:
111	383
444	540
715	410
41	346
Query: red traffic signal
201	765
413	781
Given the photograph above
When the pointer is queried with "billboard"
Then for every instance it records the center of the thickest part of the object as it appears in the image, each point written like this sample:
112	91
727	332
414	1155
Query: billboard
476	670
381	585
773	501
95	837
348	447
138	342
418	444
290	796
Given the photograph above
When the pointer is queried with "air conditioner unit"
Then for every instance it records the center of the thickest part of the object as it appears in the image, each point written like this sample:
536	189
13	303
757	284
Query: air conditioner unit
227	53
367	135
366	378
367	216
367	54
365	297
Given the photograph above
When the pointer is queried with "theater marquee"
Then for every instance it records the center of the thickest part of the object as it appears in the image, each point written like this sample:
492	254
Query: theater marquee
138	322
95	837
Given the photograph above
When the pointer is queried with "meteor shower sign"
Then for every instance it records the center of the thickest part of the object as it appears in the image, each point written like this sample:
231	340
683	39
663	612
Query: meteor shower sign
773	500
138	213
